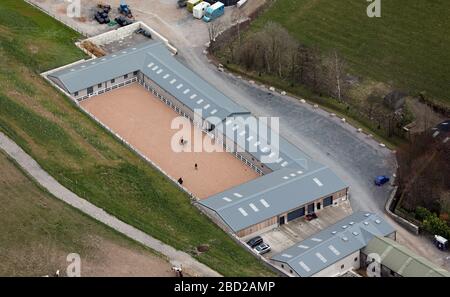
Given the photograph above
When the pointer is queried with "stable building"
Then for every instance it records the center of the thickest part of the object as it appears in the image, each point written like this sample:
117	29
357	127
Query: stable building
276	199
291	184
334	250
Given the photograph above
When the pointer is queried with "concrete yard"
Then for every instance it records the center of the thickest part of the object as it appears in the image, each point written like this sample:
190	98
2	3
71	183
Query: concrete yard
164	13
145	122
288	234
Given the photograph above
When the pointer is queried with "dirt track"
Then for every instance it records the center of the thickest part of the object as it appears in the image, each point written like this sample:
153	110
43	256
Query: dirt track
145	122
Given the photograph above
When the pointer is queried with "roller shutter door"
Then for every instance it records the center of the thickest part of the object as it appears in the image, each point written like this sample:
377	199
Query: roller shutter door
296	214
327	201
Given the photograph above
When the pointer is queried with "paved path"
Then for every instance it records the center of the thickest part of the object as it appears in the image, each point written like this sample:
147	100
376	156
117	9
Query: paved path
190	265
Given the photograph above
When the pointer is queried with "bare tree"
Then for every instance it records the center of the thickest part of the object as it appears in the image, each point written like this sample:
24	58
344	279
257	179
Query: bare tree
338	69
214	29
237	17
333	76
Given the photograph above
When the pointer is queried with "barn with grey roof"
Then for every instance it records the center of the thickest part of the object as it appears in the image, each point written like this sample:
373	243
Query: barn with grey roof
291	184
334	250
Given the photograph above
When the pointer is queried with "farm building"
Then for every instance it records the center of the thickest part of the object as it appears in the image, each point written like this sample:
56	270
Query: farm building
396	260
291	183
334	250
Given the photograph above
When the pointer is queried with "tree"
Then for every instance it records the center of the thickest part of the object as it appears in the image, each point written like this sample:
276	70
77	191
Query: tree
238	17
214	29
334	74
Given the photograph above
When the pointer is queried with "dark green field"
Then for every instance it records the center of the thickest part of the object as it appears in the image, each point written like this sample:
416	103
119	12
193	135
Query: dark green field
83	156
408	47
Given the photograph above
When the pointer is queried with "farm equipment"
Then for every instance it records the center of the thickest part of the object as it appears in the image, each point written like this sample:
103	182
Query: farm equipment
106	8
102	17
123	21
102	14
143	32
125	10
214	11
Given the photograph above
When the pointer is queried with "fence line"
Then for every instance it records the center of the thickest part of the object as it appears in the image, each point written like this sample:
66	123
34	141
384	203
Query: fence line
72	26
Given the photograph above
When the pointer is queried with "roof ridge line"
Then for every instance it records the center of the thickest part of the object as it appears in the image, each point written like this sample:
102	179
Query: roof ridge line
237	201
111	56
330	238
187	80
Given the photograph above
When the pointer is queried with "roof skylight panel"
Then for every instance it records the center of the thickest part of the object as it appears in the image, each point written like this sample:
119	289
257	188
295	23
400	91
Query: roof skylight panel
242	211
254	207
264	202
318	182
304	266
321	257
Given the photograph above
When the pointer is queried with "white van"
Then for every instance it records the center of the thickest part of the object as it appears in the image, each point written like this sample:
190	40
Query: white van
440	242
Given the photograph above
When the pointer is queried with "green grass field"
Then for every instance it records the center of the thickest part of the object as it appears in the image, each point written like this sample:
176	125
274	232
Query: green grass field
38	231
87	159
408	47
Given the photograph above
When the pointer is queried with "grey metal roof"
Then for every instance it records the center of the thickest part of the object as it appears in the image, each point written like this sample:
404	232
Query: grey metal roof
334	243
272	194
92	72
249	137
155	61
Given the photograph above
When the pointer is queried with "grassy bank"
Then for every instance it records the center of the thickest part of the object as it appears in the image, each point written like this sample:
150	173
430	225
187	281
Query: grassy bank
38	231
87	159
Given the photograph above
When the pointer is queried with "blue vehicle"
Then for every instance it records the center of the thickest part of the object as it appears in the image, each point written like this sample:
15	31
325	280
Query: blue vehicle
381	180
214	11
124	9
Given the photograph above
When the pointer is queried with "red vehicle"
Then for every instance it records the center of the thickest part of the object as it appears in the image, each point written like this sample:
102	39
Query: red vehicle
311	216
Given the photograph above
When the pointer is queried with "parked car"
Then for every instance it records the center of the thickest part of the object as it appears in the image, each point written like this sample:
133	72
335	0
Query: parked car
381	180
311	216
255	241
262	248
